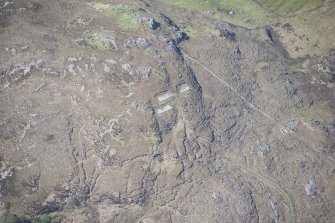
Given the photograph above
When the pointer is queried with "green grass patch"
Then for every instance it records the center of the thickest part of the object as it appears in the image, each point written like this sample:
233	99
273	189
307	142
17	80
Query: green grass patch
126	16
8	216
198	29
151	52
289	6
42	219
246	13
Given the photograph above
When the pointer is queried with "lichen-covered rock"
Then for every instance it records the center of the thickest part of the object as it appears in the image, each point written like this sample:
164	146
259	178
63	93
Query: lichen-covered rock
100	39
